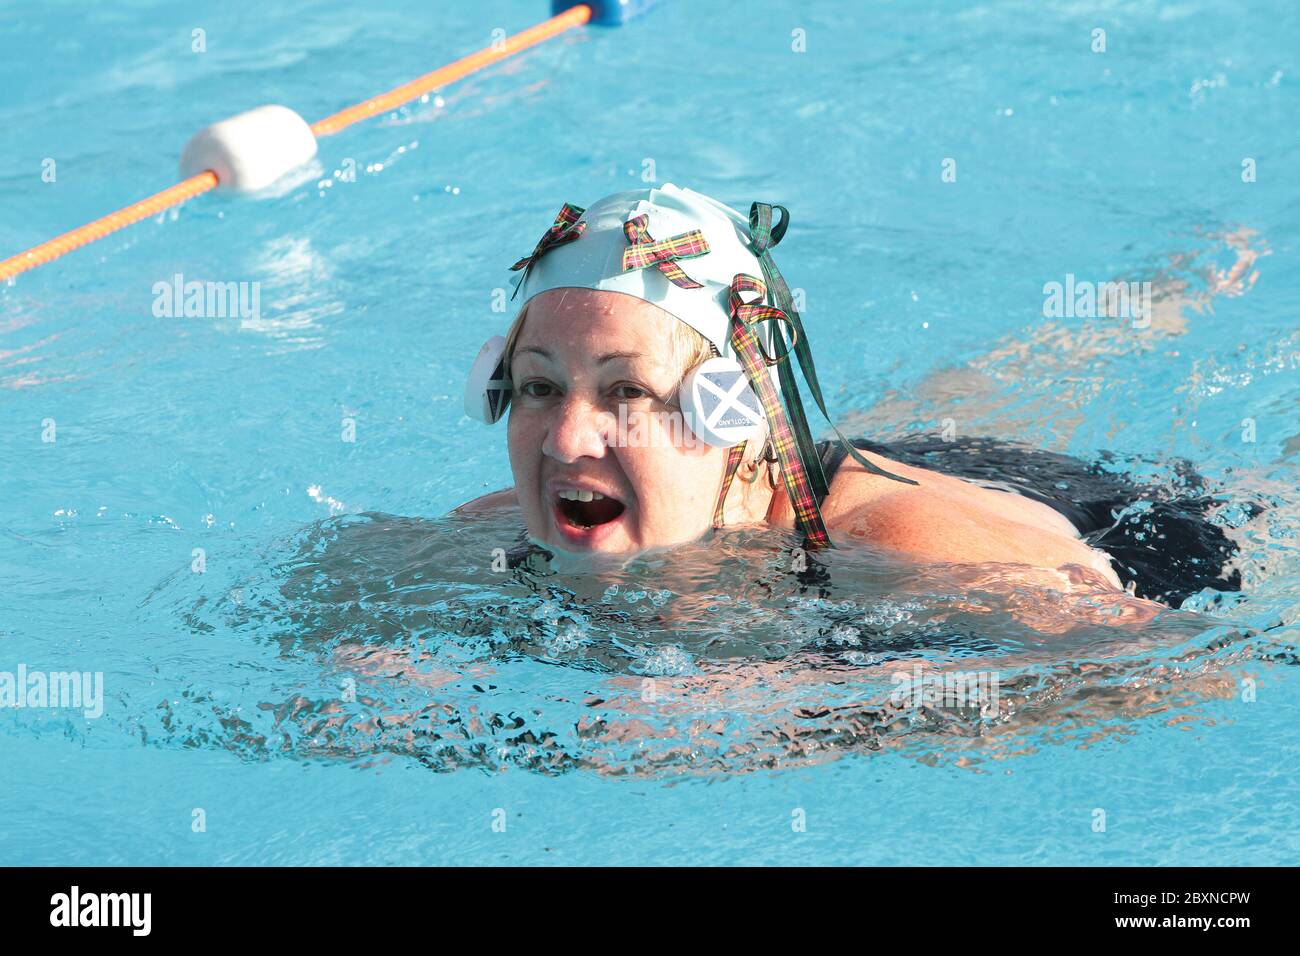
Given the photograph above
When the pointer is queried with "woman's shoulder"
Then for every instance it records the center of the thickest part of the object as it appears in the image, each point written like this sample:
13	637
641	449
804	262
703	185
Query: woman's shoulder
854	487
854	490
945	519
496	501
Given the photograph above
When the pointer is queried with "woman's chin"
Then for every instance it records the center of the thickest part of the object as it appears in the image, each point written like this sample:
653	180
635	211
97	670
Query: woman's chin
602	556
613	547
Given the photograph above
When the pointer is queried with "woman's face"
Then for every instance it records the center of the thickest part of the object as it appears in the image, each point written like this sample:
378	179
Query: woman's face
594	413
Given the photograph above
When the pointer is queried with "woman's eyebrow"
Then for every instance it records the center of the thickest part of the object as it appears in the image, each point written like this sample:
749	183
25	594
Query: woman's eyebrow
611	356
607	357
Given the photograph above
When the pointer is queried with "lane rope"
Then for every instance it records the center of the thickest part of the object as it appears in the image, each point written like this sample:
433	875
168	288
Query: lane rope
207	180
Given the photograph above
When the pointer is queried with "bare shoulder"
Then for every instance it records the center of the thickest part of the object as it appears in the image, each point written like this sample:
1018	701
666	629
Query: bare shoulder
946	519
496	501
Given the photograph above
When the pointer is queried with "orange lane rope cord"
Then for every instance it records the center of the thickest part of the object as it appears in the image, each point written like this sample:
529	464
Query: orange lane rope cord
205	181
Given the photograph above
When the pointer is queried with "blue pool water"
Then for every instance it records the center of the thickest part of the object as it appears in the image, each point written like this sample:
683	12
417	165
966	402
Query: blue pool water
348	681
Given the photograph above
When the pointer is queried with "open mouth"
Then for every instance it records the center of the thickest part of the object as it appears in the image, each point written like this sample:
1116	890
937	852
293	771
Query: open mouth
583	510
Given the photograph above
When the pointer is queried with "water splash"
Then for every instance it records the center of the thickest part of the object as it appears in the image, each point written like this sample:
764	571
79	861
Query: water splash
392	638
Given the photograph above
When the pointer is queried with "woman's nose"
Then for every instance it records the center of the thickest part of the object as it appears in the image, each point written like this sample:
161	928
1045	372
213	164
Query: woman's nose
579	430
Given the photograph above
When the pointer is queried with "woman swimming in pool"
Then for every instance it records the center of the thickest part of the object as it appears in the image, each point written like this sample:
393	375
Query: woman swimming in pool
650	380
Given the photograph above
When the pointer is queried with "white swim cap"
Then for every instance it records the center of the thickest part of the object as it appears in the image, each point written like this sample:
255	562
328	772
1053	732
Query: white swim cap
702	242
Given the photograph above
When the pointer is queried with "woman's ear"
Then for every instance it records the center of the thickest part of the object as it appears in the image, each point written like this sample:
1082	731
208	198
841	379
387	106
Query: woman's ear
753	462
768	458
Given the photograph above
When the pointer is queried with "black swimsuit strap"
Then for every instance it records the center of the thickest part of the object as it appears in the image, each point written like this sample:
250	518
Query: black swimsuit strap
832	455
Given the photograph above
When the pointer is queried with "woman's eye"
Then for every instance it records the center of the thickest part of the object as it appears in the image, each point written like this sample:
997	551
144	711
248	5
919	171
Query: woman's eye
629	393
536	389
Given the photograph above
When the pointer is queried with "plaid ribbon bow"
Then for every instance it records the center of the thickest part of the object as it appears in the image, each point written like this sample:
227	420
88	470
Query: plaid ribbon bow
751	313
566	228
754	359
645	251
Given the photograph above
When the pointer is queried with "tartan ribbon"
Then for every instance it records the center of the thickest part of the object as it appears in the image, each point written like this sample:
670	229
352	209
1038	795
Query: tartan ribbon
784	437
643	250
751	313
566	228
764	234
734	457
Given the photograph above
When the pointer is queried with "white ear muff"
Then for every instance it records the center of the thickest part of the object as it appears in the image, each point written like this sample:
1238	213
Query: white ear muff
487	390
719	404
